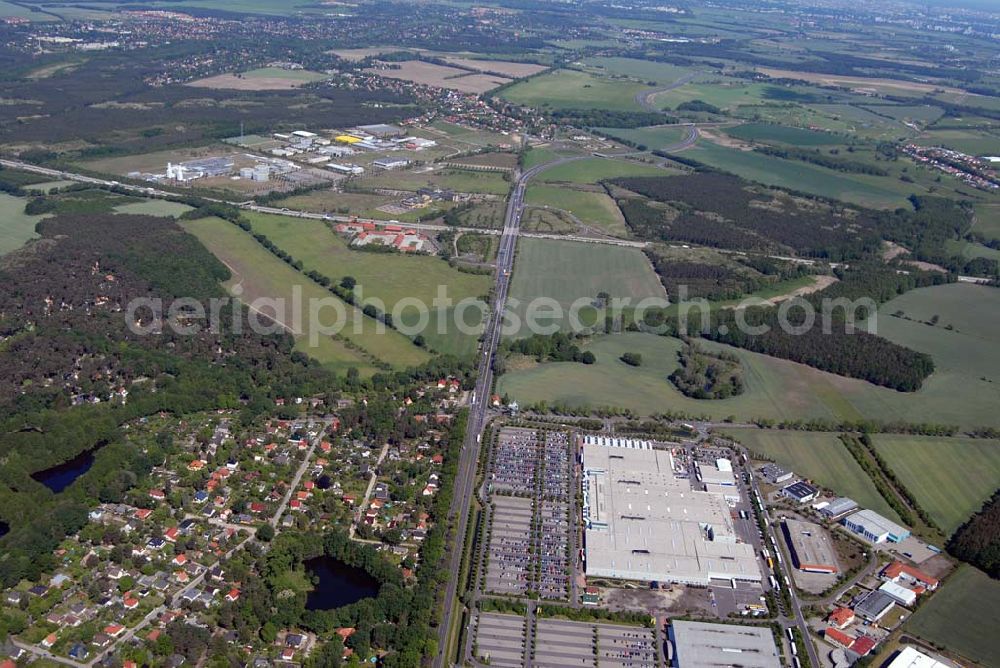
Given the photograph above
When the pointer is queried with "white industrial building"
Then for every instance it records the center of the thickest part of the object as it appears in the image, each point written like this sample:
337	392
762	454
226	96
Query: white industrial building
705	645
390	163
645	523
838	507
899	593
719	479
910	657
352	169
874	528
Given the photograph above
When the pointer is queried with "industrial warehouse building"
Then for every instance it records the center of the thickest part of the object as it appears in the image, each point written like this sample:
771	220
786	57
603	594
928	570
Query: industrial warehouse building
774	474
810	546
874	528
839	507
645	523
910	657
704	645
381	130
899	593
801	492
874	606
719	479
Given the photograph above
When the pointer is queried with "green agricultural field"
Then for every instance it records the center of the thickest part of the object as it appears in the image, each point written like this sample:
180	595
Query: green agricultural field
646	70
973	142
387	277
950	477
572	89
783	134
291	75
458	180
988	219
546	153
9	9
920	113
963	391
470	137
259	274
857	120
593	208
565	271
970	250
16	227
865	190
49	185
245	6
653	138
963	616
154	207
724	93
592	170
821	457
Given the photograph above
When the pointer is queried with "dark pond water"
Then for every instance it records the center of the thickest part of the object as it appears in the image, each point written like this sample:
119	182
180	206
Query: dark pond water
338	585
58	478
4	529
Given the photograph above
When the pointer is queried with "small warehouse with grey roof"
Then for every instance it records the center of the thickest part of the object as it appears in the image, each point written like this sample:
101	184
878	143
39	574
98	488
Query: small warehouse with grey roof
810	546
645	523
705	645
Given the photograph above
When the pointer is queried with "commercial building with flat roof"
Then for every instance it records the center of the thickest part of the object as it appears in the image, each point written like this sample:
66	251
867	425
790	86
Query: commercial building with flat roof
839	507
774	474
910	657
874	528
899	593
704	645
874	606
800	491
811	548
645	523
381	130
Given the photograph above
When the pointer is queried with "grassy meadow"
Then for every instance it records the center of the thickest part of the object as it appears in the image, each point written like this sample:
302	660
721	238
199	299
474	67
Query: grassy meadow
593	208
963	616
154	207
871	191
783	134
572	89
565	271
964	390
16	227
950	477
259	274
592	170
388	277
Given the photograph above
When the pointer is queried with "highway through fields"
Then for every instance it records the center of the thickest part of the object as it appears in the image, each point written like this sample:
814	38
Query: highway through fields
645	98
466	477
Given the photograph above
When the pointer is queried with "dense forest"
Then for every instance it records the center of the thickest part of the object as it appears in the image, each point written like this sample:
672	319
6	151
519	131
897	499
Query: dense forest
122	114
978	540
833	346
557	347
705	374
725	211
719	210
717	280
